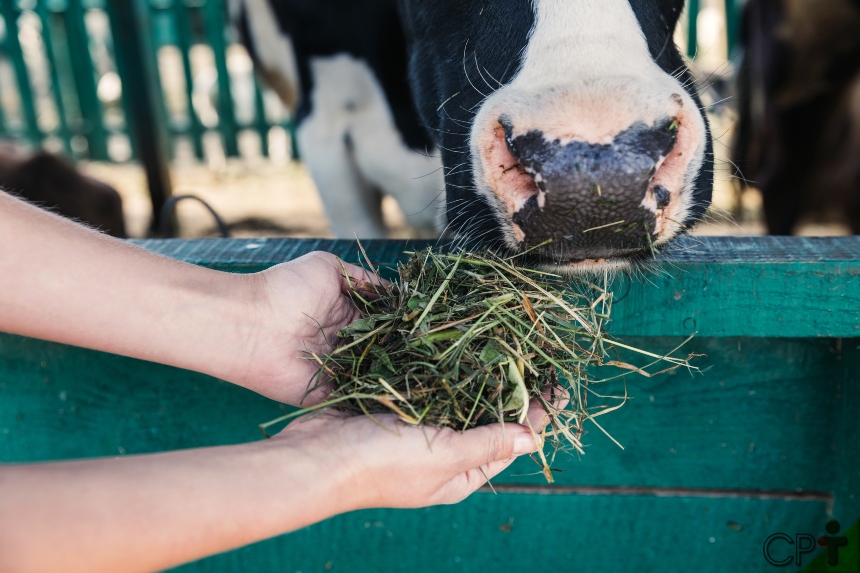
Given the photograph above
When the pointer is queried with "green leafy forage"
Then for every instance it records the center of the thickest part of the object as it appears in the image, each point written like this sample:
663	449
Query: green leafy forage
462	340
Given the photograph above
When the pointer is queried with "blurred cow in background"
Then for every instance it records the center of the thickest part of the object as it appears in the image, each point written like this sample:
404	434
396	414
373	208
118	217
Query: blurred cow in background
341	67
568	129
798	135
51	182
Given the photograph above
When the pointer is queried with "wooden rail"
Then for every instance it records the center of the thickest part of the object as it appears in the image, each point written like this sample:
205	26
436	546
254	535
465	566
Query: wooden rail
764	442
716	286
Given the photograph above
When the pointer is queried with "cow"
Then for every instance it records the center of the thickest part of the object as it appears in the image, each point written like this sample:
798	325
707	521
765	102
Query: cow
51	182
569	130
798	133
340	65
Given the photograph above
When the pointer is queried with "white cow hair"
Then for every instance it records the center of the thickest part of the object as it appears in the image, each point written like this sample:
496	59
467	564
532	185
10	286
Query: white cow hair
273	48
352	146
607	57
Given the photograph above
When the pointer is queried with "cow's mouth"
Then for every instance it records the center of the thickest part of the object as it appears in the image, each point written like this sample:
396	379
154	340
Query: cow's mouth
558	258
595	214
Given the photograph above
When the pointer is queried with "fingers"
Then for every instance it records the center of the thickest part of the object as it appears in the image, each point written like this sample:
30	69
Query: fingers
494	443
557	399
501	447
356	279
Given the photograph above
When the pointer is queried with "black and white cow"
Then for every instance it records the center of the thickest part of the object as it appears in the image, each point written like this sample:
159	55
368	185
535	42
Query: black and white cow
568	127
341	66
798	134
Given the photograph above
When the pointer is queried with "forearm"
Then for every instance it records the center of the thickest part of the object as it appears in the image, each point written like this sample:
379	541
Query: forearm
151	512
63	282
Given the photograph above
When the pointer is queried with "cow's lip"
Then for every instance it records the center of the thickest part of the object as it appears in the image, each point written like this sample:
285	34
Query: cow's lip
590	258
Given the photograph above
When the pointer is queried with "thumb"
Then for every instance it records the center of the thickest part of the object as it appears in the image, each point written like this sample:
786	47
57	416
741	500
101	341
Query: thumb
497	442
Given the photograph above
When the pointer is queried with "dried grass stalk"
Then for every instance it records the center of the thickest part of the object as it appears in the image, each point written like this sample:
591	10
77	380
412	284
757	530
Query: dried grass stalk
462	340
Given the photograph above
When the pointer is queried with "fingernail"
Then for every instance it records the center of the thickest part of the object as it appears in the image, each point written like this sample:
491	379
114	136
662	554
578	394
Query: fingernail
525	444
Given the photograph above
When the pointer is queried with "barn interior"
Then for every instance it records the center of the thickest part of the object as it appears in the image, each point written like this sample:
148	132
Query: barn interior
230	140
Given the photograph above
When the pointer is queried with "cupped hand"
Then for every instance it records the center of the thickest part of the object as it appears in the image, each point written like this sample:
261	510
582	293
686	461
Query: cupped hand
384	463
300	307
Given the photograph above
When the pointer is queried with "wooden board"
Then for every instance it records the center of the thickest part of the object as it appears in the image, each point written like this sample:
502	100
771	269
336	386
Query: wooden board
757	436
716	286
515	533
764	442
762	417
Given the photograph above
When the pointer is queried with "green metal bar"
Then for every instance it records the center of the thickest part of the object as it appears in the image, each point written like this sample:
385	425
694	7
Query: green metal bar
84	72
294	140
260	122
56	85
732	26
3	126
182	20
131	30
156	14
693	28
123	71
215	33
28	103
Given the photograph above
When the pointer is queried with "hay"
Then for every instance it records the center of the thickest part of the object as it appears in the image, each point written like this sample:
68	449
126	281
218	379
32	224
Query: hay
462	340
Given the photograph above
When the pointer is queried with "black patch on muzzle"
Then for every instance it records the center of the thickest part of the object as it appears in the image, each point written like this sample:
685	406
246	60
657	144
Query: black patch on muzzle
592	191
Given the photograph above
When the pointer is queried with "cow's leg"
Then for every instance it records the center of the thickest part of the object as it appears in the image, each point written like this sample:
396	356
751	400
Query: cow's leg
327	142
352	206
413	177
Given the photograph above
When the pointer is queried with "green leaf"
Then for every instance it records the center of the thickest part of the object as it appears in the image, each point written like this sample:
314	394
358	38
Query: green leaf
360	326
490	352
382	357
418	301
518	399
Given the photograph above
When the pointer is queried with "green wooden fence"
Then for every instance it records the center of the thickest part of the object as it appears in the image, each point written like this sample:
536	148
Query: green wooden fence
732	11
56	54
765	442
55	73
59	50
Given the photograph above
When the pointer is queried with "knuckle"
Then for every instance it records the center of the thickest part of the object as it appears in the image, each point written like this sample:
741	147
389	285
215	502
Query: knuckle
499	448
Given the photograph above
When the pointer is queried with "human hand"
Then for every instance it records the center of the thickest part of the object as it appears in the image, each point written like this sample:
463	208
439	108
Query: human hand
299	307
385	463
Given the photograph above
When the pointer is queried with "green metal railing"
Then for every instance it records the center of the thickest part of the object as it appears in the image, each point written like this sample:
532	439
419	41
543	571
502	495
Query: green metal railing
55	53
732	8
68	49
74	61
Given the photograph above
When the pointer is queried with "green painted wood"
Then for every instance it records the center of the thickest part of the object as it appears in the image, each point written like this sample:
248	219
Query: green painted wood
515	533
4	129
674	437
56	87
90	106
765	416
260	122
215	27
763	442
716	286
183	34
131	29
692	28
733	22
11	12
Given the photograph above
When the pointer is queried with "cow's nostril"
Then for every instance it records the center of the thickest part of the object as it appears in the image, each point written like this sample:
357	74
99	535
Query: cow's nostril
661	196
592	193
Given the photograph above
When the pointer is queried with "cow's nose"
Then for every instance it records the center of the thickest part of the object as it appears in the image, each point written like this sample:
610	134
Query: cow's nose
590	195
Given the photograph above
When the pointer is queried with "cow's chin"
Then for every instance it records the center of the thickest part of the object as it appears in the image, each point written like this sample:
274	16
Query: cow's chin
557	259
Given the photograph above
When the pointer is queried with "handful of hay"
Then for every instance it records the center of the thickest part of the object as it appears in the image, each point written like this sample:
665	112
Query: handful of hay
462	340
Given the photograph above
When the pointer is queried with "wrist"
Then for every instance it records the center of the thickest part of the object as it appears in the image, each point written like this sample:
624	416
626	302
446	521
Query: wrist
327	485
238	304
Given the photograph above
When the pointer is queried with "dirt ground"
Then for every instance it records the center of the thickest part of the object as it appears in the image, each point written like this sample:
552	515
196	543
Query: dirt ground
256	199
278	199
